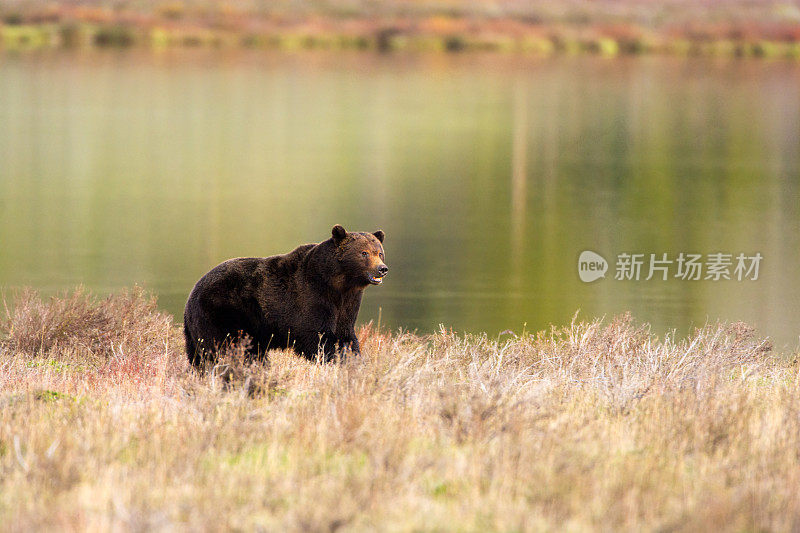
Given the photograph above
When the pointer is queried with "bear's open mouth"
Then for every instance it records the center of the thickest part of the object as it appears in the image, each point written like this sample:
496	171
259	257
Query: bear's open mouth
375	280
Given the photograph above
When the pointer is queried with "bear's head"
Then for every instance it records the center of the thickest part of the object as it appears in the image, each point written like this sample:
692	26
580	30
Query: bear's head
360	256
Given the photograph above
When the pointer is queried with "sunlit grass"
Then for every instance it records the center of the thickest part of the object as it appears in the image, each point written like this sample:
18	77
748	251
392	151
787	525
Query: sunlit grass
103	425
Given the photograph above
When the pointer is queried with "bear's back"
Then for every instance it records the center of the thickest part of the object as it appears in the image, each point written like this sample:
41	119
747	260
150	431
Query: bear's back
248	276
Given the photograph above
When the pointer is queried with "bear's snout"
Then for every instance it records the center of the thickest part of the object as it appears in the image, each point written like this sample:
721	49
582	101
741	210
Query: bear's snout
377	278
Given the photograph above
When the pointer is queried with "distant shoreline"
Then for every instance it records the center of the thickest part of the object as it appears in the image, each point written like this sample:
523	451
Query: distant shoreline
172	27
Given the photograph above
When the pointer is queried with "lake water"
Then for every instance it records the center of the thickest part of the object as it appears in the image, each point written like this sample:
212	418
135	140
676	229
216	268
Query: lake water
489	174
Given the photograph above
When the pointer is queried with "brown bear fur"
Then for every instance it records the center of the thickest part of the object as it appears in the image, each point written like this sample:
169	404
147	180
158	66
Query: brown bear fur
307	299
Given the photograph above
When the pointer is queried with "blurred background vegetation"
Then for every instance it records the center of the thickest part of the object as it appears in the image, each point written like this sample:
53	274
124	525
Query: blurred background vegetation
729	27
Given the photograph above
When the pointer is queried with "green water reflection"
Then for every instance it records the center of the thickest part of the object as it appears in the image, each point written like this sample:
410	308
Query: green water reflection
489	175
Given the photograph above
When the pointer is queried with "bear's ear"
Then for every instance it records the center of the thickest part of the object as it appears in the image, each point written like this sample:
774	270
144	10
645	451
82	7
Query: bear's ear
379	235
338	233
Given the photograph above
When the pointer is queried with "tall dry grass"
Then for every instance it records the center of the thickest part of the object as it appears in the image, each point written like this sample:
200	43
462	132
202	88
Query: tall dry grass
597	425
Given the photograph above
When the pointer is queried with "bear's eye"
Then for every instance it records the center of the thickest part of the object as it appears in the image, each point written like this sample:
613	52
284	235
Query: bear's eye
365	254
381	254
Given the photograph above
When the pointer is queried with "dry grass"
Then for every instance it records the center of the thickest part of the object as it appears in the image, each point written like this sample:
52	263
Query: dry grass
594	426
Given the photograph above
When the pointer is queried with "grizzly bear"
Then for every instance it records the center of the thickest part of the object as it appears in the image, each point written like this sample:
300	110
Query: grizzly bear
307	299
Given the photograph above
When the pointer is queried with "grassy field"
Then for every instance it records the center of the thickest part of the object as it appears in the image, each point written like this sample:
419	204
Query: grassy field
599	425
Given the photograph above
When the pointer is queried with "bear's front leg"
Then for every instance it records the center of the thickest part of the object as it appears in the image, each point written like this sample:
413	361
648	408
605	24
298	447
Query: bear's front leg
332	346
350	343
319	346
328	345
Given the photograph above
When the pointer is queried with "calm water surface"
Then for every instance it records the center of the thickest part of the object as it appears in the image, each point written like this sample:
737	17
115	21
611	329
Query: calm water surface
489	175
